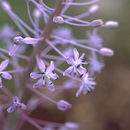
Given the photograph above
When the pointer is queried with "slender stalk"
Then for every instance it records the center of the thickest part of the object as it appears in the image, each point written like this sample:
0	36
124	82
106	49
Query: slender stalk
40	46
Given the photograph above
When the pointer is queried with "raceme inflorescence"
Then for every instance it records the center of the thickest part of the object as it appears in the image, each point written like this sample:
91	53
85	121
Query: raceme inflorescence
37	52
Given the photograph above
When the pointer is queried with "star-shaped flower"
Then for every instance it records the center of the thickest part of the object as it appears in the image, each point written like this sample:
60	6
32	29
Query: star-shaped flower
76	64
4	74
16	104
87	84
45	75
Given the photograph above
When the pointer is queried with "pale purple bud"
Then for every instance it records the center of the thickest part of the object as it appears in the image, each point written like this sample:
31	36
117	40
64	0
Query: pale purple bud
111	24
32	103
6	75
5	5
4	64
36	13
93	9
96	23
29	40
63	105
58	19
18	40
106	51
71	126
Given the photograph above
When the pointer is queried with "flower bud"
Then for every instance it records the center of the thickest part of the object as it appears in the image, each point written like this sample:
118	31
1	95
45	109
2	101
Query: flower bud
96	23
106	52
63	105
72	126
18	40
93	9
29	40
5	5
58	19
111	24
36	13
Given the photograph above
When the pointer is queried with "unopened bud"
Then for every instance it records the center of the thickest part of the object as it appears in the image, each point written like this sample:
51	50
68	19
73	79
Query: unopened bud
5	5
63	105
96	23
106	52
58	19
36	13
18	40
71	126
29	40
111	24
93	9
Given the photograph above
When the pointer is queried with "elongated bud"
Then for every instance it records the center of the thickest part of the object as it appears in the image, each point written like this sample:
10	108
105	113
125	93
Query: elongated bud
93	9
71	126
96	23
111	24
29	40
5	6
63	105
106	52
58	19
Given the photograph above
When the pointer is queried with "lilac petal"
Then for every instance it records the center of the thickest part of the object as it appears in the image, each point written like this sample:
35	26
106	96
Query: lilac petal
23	106
54	76
67	71
51	67
50	85
13	50
39	83
11	108
79	90
40	64
16	100
1	83
35	75
76	54
6	75
4	64
81	70
70	60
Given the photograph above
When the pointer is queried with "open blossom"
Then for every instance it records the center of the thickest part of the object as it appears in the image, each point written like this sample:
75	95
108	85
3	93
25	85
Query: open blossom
76	64
94	39
3	74
45	75
96	65
87	84
16	104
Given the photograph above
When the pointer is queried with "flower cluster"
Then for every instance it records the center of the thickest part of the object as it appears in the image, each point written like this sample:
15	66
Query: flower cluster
52	47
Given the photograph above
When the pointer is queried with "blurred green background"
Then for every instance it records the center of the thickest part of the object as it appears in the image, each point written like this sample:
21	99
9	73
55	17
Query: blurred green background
108	107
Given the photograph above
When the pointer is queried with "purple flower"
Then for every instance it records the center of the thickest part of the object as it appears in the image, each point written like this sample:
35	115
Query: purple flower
86	85
76	64
45	75
16	104
3	74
